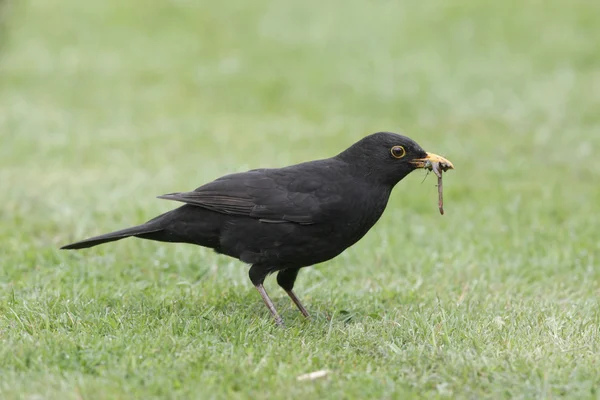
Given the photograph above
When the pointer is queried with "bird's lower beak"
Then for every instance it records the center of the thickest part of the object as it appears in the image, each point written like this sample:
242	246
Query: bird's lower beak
431	158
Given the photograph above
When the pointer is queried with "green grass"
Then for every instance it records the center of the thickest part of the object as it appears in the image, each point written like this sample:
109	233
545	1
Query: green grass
106	104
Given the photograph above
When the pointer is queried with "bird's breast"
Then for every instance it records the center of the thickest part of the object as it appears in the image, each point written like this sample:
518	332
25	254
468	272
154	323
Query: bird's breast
365	210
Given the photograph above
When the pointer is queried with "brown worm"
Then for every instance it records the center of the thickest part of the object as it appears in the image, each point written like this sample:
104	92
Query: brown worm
437	170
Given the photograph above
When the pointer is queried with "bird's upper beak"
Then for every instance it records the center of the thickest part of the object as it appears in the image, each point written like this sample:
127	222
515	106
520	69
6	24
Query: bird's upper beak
430	159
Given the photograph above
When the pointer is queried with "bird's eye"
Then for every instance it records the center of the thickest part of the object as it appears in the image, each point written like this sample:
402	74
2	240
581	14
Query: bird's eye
398	152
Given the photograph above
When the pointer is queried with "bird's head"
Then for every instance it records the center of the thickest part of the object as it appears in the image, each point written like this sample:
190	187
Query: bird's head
388	157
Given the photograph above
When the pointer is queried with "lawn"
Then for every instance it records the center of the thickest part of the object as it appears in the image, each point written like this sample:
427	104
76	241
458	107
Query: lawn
105	105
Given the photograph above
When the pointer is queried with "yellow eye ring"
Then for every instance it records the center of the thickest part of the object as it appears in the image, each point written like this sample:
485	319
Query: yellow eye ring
398	152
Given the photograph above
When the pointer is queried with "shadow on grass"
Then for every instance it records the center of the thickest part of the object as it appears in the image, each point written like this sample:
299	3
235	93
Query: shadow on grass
322	314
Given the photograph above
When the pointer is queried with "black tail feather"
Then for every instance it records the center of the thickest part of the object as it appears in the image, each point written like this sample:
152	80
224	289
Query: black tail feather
111	237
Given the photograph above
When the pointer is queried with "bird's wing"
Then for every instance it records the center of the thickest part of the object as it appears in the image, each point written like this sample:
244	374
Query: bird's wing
302	195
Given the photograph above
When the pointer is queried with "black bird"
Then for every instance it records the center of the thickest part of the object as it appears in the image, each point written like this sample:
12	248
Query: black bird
283	219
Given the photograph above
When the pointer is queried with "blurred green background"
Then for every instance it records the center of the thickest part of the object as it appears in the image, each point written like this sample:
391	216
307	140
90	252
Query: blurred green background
105	105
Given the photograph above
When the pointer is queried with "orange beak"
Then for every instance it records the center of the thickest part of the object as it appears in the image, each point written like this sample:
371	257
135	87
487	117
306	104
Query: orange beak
431	158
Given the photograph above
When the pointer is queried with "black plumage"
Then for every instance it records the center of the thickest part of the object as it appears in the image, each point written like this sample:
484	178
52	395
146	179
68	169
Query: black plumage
283	219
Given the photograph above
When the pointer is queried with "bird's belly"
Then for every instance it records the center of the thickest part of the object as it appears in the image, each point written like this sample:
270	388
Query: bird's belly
285	245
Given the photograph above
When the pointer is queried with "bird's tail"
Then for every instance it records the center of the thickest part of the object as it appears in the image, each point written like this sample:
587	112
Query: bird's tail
140	230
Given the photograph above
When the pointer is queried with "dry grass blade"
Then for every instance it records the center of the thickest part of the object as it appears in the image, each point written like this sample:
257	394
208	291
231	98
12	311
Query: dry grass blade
313	375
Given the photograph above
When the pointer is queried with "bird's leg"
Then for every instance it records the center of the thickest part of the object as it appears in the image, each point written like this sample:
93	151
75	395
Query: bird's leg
286	279
296	300
269	303
257	276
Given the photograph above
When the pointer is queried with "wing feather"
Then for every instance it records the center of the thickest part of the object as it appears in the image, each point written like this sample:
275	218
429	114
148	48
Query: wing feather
301	195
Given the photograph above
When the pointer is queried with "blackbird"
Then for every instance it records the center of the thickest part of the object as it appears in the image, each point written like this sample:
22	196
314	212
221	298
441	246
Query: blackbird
284	219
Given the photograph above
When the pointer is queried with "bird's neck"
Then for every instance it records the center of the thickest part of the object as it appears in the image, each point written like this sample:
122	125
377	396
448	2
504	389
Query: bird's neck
366	169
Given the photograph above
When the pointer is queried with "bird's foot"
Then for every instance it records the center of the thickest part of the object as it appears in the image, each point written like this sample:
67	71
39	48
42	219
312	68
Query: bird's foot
279	322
